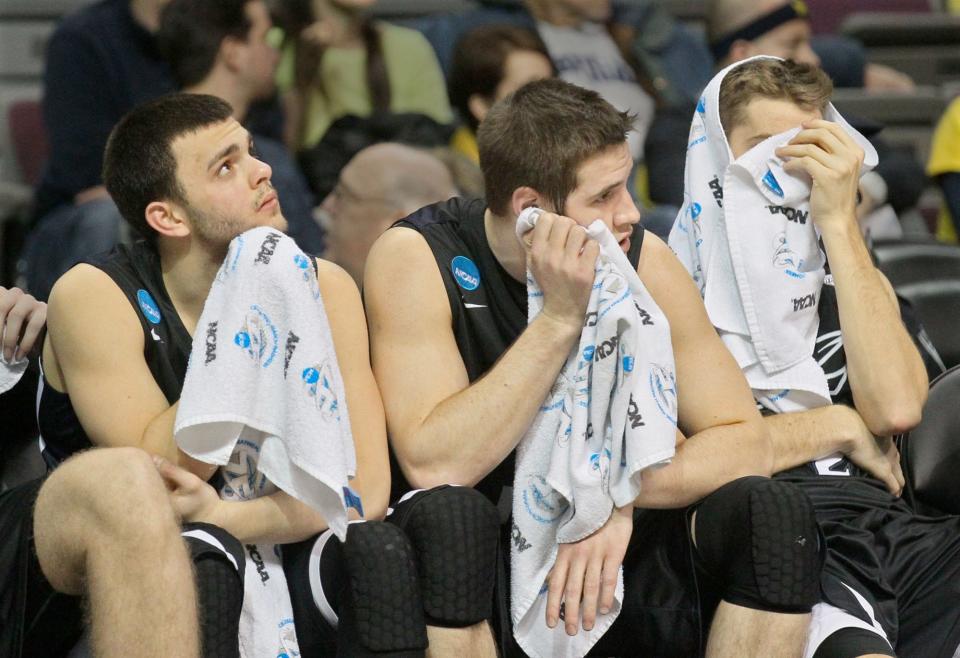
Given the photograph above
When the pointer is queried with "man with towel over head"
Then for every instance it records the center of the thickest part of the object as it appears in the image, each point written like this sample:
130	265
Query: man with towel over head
631	465
769	233
122	327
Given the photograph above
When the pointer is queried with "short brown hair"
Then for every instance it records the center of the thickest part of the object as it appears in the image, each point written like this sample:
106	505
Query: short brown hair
803	84
139	166
539	135
480	60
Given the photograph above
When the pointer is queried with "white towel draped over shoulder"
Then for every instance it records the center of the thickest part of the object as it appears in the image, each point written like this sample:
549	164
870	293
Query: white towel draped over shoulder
611	414
264	399
746	236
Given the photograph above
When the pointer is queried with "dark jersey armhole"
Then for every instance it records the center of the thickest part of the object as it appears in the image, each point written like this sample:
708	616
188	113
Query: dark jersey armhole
636	243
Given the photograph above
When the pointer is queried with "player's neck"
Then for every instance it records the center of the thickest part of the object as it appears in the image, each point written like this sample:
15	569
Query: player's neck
505	246
189	269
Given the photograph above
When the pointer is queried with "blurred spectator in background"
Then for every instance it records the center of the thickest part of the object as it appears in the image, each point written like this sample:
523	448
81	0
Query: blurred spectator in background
381	184
489	63
220	47
337	62
667	56
100	62
467	177
738	29
944	166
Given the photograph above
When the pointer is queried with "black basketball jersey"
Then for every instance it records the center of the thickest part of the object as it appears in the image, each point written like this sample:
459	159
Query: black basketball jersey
830	354
166	346
488	306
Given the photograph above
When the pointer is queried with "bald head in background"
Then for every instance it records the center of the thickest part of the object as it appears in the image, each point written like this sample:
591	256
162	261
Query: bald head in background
789	40
381	184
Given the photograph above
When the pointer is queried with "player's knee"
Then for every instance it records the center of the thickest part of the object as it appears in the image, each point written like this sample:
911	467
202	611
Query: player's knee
382	613
454	532
759	539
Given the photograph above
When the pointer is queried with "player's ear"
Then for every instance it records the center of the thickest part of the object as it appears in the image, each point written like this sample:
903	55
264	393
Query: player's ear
525	197
167	219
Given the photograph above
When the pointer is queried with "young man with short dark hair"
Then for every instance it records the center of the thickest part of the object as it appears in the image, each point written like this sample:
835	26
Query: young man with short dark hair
463	376
182	171
221	48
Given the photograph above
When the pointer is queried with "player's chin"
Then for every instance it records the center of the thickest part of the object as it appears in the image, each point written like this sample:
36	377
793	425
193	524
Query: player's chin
279	222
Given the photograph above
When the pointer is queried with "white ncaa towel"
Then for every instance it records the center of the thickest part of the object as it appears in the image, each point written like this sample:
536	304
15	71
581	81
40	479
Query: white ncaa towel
746	236
264	399
611	414
11	371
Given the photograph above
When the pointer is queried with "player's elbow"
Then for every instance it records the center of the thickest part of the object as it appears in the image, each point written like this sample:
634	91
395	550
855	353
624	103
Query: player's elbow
895	418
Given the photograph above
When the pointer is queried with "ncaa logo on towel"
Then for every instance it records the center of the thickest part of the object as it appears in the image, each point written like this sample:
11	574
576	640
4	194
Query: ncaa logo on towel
148	306
543	504
309	277
786	258
772	184
318	380
465	272
258	336
663	388
701	105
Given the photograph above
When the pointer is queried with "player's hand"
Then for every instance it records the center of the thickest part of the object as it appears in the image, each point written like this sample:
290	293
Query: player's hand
192	498
21	319
832	159
562	259
877	456
584	576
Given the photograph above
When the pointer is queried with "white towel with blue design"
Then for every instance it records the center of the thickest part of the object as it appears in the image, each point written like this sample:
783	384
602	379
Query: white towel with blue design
746	236
611	414
264	399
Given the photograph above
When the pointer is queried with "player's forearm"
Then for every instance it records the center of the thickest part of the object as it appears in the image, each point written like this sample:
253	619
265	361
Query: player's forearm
705	462
278	518
805	436
467	435
886	373
158	440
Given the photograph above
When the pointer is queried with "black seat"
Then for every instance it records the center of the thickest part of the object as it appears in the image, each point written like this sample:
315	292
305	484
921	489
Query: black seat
912	262
937	305
930	452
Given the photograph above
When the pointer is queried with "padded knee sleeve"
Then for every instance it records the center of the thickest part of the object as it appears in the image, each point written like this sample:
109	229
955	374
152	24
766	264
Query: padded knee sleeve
218	562
758	540
381	613
455	534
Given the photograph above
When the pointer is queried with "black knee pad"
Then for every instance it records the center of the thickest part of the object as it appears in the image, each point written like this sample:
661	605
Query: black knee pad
218	564
382	611
759	541
455	533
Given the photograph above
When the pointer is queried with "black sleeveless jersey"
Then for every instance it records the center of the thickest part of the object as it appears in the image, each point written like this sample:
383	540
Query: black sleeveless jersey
166	347
488	306
830	354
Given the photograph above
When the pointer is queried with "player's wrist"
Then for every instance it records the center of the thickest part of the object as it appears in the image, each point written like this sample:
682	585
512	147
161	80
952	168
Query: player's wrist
564	325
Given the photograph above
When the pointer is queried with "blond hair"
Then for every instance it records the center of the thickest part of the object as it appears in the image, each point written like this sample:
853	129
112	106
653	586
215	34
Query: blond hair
803	84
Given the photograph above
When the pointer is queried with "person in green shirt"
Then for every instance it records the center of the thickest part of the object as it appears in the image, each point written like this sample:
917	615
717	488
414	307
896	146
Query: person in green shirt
337	61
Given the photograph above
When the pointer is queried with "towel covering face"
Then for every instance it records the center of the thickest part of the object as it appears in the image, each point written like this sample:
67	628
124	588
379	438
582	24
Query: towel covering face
611	413
746	236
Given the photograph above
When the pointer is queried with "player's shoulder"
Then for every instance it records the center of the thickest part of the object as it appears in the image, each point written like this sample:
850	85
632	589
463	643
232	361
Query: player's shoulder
84	286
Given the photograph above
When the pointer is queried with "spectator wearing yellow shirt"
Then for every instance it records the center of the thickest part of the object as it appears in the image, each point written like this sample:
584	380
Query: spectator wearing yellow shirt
944	166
